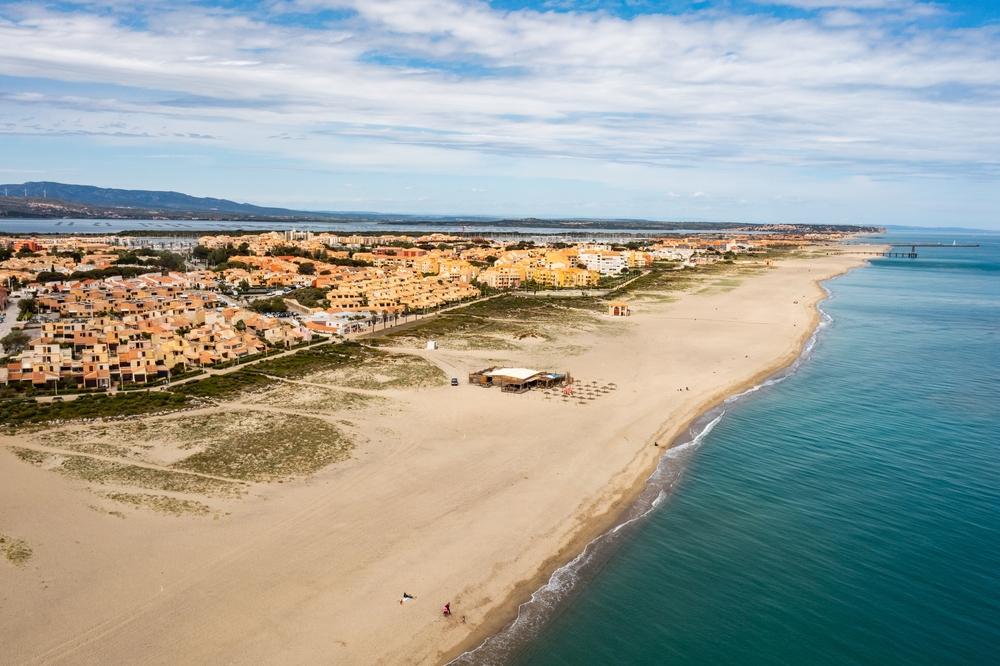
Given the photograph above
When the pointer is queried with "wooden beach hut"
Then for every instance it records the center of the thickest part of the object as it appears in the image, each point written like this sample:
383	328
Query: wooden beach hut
517	380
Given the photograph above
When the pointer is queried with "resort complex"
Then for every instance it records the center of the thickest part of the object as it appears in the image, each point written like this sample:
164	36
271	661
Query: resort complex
103	312
234	413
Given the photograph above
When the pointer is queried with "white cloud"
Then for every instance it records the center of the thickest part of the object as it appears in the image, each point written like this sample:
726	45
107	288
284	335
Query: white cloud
445	85
843	18
895	5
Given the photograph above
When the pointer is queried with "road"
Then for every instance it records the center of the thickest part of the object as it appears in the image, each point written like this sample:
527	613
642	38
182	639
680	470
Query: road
8	323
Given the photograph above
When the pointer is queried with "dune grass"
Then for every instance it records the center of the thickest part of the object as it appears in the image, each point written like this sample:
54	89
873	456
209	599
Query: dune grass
288	446
382	370
161	503
223	387
17	551
500	323
311	398
103	472
28	412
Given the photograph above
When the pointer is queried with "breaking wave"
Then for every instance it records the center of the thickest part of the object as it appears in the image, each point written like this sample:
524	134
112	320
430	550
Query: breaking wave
533	614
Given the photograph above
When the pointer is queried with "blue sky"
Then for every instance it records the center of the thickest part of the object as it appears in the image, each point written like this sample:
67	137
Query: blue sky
853	111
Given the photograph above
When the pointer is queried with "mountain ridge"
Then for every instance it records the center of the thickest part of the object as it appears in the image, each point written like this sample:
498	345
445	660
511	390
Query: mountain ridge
50	199
111	197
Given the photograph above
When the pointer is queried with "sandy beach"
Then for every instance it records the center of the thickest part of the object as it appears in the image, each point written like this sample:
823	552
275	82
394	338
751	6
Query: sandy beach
450	494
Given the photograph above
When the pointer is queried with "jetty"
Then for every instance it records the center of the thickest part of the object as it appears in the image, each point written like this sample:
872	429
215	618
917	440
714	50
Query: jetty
912	254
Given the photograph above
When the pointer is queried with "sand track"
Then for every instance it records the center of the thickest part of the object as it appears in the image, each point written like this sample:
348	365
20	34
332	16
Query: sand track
332	387
132	462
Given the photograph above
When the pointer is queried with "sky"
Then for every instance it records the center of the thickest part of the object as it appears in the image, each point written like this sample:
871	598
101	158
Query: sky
812	111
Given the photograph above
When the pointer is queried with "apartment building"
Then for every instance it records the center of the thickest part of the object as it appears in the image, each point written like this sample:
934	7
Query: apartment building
503	277
605	262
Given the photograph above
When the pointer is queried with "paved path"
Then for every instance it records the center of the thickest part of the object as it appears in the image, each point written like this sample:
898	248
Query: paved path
8	323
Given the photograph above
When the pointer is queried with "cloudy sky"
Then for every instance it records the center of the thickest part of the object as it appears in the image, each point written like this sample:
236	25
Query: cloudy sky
866	111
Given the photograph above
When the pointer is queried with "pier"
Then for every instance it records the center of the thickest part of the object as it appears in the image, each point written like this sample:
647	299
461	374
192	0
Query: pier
912	254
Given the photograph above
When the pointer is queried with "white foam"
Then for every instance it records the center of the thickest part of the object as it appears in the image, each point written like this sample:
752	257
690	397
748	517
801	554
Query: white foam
533	612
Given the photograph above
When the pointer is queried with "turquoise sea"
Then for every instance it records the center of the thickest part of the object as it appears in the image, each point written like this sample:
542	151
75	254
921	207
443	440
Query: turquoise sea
847	514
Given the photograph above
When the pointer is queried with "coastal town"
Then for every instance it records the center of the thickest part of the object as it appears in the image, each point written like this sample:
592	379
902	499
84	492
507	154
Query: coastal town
488	333
108	312
171	398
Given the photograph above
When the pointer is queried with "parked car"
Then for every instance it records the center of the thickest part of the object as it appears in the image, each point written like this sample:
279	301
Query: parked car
454	381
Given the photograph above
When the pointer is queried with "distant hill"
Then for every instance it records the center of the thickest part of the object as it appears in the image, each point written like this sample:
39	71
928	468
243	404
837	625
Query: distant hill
146	200
46	199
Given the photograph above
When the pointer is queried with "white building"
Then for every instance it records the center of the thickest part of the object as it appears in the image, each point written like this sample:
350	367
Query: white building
604	262
294	235
673	253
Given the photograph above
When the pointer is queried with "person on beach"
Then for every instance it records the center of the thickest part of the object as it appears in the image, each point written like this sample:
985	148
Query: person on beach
406	597
446	611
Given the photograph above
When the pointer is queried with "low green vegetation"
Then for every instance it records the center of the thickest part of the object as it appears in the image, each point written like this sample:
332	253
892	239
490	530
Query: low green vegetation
17	551
529	307
223	387
107	512
236	445
219	255
381	370
289	446
659	280
310	297
97	273
162	503
104	472
30	455
162	259
499	322
14	342
663	282
355	366
93	439
27	412
312	359
26	308
226	265
311	399
274	304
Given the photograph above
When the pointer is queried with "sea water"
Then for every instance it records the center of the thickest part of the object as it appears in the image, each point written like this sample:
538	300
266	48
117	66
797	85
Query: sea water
849	514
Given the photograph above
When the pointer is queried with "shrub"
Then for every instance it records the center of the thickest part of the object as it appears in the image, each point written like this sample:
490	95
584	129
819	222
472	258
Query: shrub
22	412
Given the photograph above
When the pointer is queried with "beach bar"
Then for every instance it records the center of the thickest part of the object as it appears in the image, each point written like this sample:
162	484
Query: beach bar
518	380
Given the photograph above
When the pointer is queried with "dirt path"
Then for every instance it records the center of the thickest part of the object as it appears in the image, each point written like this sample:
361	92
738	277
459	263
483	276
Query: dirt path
332	387
119	461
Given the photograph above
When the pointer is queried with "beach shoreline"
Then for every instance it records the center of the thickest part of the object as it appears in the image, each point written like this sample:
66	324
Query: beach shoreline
618	514
463	494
